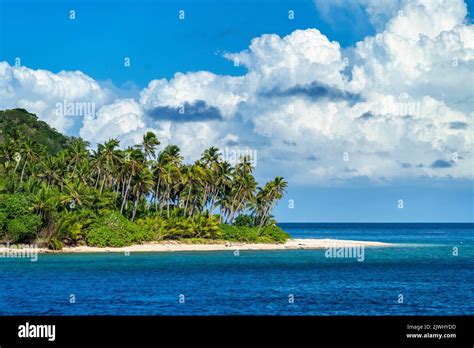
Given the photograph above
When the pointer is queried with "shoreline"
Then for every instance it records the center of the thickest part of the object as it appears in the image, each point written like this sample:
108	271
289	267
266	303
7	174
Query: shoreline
172	246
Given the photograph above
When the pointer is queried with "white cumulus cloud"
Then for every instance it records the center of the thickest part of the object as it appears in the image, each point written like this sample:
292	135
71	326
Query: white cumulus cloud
397	104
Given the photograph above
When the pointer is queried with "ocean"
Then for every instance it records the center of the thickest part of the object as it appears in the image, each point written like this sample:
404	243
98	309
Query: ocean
431	273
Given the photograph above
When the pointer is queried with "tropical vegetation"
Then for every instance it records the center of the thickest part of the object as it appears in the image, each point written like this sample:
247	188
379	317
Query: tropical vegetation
58	190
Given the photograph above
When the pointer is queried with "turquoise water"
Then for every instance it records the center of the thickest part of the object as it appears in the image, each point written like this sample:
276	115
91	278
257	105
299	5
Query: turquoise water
425	272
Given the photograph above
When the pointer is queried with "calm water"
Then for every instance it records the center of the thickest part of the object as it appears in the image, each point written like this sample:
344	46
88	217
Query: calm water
431	280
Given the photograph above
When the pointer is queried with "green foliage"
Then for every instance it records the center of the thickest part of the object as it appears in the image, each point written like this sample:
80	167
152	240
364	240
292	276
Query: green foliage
244	220
55	244
61	191
71	226
18	223
114	230
23	229
155	225
178	227
22	122
274	233
3	222
266	234
14	205
206	227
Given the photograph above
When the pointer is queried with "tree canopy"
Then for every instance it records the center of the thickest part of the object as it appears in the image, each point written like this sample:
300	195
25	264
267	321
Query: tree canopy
110	195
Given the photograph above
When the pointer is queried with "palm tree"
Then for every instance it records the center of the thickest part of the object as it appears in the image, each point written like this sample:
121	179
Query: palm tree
78	152
210	156
143	185
50	171
267	197
222	181
29	154
150	142
243	170
192	177
244	196
132	164
75	195
165	170
169	178
80	183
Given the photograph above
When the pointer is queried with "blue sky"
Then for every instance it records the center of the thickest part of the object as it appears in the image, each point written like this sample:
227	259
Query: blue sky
159	45
104	32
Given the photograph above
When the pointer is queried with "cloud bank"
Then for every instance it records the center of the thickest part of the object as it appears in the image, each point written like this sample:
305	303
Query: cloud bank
397	104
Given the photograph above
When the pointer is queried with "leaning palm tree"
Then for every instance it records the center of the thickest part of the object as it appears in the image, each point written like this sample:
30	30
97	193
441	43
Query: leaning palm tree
244	197
267	197
243	170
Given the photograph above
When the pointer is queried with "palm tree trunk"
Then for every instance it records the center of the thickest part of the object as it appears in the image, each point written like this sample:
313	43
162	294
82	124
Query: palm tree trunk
135	206
103	184
98	178
23	169
16	166
232	206
187	200
156	193
204	197
126	193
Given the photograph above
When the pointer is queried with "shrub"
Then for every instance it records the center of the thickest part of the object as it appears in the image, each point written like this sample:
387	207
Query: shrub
156	225
55	244
14	205
70	227
178	227
114	230
206	227
3	223
274	233
23	228
244	220
16	220
238	234
267	234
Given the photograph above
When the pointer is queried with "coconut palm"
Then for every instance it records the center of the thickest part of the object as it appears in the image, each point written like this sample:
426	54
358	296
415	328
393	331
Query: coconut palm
133	163
78	153
29	153
142	185
149	144
79	182
267	197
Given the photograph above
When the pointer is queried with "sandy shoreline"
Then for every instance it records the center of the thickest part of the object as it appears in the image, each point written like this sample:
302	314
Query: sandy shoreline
293	244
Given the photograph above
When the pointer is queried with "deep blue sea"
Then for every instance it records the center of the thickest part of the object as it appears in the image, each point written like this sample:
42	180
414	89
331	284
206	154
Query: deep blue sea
422	277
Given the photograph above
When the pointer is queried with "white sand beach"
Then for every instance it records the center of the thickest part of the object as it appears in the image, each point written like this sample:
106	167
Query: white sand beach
170	246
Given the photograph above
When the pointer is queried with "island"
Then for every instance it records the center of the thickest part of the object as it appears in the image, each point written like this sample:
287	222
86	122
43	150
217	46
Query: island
59	194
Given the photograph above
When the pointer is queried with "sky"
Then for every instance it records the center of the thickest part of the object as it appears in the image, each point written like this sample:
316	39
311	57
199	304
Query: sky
359	104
